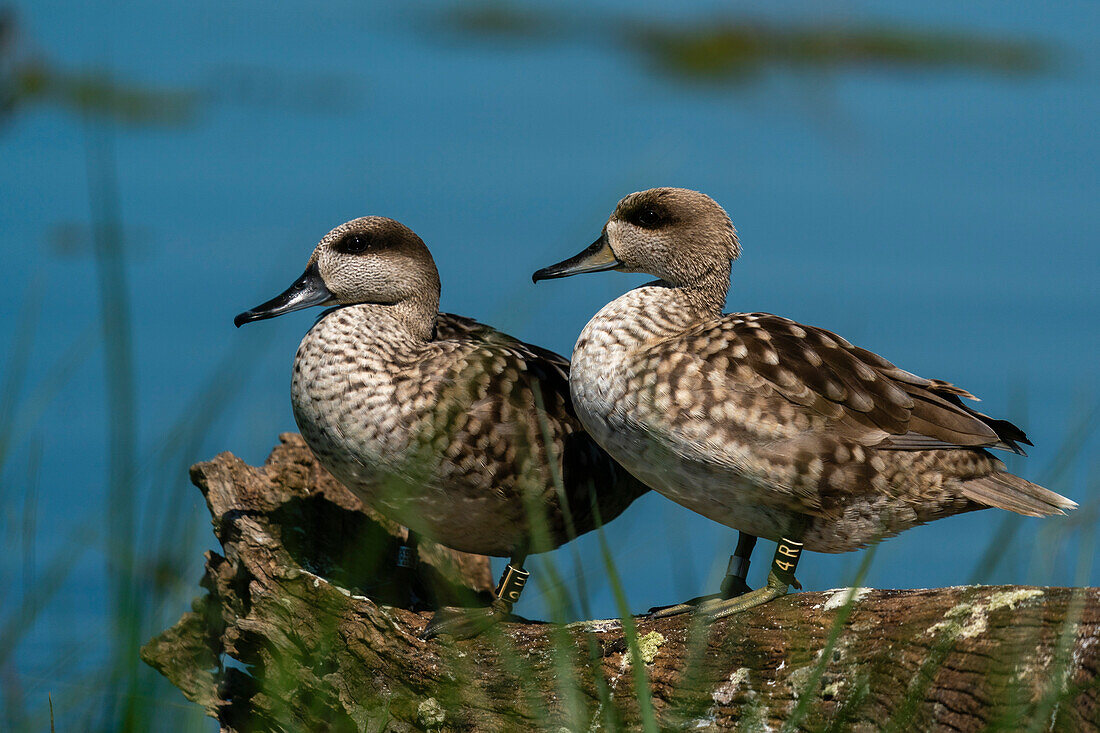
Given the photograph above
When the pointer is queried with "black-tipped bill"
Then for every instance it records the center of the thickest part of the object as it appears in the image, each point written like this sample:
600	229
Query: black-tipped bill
596	258
306	291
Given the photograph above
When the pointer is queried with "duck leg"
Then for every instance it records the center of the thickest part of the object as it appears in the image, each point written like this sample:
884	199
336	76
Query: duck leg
780	579
406	573
466	623
733	584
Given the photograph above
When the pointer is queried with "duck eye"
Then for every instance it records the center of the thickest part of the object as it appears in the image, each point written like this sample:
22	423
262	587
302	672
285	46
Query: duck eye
353	244
649	217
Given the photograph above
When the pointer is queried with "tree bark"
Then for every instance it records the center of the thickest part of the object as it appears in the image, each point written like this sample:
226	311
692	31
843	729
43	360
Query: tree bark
290	600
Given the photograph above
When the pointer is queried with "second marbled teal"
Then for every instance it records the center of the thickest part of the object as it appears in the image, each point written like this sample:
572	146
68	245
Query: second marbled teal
778	429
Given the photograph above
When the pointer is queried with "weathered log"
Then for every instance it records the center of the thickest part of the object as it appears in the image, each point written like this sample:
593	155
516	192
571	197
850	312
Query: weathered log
290	600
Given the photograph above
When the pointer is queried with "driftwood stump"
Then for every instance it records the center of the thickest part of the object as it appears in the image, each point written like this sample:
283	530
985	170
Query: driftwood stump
286	638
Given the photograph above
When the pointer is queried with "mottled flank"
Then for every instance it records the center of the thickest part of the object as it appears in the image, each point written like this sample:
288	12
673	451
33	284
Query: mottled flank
765	424
460	432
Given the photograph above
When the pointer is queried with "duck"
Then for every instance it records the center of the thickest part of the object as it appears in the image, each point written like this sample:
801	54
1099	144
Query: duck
775	428
461	433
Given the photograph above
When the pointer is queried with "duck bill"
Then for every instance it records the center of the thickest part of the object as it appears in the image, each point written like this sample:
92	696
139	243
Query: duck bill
596	258
308	290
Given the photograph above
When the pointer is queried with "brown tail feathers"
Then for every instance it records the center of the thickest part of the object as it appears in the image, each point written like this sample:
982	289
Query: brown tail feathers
1006	491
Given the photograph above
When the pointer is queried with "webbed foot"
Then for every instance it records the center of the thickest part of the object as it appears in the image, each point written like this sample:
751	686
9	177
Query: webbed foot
685	607
466	623
736	596
720	608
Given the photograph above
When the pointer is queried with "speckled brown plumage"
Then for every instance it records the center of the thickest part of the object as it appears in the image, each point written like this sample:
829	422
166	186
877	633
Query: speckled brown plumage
459	437
462	433
762	423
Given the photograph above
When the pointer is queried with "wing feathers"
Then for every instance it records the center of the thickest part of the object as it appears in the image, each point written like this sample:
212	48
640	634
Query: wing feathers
862	392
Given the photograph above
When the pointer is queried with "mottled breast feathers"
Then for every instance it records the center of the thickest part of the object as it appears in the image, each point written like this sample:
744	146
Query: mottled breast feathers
486	419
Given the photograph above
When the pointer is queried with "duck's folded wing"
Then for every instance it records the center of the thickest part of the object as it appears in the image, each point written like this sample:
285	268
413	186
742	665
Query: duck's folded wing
511	400
452	327
507	380
863	396
799	411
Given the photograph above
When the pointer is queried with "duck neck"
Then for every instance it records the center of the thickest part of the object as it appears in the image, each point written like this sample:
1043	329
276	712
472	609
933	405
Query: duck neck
417	314
704	297
413	319
660	308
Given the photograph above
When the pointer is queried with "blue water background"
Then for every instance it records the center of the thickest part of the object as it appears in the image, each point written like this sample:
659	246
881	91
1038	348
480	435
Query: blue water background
945	219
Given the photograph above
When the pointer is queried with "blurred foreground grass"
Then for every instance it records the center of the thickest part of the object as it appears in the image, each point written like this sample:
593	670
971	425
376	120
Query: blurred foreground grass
148	541
146	536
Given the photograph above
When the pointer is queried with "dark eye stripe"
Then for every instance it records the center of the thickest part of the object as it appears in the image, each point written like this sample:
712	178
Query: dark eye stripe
650	217
353	244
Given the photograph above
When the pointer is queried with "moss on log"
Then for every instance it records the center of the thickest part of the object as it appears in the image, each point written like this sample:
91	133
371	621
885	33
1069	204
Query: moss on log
293	634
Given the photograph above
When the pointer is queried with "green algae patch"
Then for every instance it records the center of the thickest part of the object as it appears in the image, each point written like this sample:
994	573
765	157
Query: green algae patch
649	644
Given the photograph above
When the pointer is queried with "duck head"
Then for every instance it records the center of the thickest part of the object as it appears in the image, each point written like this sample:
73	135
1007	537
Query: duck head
368	260
681	236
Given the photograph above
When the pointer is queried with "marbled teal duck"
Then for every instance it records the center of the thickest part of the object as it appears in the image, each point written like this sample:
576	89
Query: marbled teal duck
457	431
777	429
